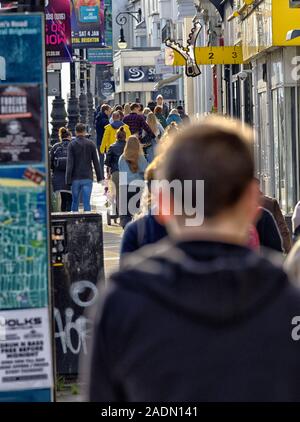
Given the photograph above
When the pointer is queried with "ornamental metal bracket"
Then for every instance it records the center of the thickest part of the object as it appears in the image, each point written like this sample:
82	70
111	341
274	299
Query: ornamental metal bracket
188	53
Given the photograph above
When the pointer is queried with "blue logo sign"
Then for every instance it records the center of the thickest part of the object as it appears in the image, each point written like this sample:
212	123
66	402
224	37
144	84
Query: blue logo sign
89	14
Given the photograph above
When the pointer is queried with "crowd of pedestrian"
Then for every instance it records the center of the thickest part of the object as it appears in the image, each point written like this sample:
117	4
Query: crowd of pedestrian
198	311
72	158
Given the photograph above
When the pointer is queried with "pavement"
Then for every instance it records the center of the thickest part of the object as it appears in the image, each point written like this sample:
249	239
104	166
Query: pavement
111	234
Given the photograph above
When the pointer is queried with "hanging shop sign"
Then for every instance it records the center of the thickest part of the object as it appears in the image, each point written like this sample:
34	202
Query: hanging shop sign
286	32
25	336
192	57
139	74
58	31
87	17
107	88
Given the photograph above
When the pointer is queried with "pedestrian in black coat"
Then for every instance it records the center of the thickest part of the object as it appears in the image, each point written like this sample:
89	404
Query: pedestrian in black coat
58	165
268	231
200	317
101	121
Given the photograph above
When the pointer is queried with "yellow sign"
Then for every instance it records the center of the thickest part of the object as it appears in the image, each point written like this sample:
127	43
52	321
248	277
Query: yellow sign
286	22
208	56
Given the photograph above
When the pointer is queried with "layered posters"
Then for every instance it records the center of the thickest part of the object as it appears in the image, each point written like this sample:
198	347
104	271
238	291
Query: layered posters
87	18
25	336
104	55
58	31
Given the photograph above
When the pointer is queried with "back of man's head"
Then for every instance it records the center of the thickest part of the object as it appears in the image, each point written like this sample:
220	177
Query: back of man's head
135	107
218	152
80	129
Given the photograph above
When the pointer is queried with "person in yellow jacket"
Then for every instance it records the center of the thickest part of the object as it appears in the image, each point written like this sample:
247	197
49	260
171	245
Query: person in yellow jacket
110	132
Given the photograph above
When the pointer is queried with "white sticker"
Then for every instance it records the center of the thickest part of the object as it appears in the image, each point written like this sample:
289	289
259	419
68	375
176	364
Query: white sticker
25	350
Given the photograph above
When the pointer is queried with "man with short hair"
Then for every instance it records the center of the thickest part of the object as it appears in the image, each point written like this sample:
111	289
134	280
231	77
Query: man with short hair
200	316
160	102
82	153
136	122
184	117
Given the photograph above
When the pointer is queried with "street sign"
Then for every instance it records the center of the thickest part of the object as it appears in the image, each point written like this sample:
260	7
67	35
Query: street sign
209	56
24	213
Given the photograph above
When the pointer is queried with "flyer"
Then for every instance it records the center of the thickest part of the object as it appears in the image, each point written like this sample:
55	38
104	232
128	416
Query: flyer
20	124
25	350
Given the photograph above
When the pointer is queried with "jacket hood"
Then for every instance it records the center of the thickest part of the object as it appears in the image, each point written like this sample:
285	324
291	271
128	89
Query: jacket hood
117	125
216	282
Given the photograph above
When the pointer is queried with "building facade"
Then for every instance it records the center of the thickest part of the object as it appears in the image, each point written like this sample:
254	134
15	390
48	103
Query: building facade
139	69
264	91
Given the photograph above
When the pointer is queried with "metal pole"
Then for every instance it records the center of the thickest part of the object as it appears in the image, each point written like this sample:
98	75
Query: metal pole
83	102
73	105
90	98
58	114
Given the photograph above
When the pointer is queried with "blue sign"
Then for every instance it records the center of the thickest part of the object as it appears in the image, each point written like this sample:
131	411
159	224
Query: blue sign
20	36
88	14
100	55
24	212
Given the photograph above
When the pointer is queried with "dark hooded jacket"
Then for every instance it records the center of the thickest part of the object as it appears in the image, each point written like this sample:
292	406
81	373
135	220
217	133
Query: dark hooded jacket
196	321
101	120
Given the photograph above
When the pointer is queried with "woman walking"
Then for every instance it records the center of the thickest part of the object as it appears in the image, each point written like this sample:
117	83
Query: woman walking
58	164
158	131
158	111
174	116
132	165
112	162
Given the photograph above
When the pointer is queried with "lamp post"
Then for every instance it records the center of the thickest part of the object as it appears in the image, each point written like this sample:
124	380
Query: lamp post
121	20
83	101
58	114
73	105
90	100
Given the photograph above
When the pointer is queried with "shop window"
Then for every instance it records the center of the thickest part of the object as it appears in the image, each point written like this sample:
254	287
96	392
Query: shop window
285	105
265	166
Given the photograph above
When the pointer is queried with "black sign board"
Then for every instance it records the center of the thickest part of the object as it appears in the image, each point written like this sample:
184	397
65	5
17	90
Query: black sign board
139	74
169	92
77	267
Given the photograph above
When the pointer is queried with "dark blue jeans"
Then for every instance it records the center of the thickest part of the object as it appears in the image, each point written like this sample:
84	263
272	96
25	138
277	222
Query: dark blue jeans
85	187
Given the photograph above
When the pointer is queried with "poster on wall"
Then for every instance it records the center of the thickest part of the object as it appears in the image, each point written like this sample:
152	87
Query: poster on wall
58	31
87	18
25	350
104	55
20	127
